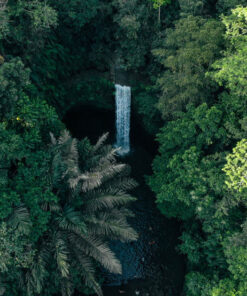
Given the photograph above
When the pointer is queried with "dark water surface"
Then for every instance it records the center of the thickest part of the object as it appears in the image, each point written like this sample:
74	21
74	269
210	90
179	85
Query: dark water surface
151	266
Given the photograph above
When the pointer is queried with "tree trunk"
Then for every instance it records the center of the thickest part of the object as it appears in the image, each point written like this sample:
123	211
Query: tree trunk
159	15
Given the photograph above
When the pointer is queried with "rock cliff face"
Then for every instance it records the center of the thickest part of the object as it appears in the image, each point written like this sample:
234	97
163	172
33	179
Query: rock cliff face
120	75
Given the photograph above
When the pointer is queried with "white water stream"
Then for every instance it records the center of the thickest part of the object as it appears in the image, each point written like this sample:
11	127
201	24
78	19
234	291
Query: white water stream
123	104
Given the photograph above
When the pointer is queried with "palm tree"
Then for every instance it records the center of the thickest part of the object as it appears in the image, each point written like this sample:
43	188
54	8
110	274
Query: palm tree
91	211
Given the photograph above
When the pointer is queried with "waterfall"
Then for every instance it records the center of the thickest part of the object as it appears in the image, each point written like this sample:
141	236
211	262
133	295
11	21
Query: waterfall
123	102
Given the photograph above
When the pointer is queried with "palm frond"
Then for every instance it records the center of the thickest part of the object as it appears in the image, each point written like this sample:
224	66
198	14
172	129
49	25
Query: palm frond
37	273
99	175
20	219
57	169
75	180
87	269
100	142
51	207
92	181
71	157
53	139
71	220
67	288
108	156
62	254
123	184
106	202
64	138
111	170
123	211
111	227
96	248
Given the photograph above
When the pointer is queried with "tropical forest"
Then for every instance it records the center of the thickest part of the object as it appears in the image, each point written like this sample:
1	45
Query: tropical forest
123	147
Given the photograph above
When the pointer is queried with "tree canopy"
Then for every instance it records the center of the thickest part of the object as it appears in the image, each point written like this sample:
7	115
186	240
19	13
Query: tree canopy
62	200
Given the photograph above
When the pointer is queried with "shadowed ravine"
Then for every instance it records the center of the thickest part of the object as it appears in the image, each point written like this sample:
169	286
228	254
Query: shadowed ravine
151	266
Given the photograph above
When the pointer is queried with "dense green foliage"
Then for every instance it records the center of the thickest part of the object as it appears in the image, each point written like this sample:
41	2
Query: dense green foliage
60	203
187	51
195	178
63	200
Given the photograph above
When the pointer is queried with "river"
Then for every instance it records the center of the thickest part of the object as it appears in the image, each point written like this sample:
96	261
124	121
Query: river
151	265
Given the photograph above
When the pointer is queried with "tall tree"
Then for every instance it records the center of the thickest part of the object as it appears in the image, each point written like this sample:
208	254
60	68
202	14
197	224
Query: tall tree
186	54
230	71
157	5
225	6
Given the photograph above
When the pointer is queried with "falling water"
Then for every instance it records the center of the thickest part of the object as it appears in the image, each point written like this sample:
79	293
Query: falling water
123	102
